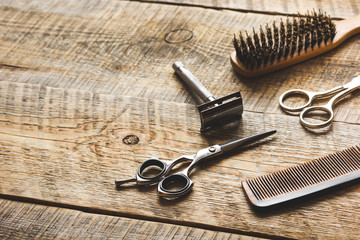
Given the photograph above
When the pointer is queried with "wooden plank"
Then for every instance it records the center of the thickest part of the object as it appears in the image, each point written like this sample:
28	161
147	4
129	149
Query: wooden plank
95	48
30	221
336	8
66	147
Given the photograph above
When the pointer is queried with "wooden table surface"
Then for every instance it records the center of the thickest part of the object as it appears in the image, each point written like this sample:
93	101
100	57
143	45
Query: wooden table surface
78	77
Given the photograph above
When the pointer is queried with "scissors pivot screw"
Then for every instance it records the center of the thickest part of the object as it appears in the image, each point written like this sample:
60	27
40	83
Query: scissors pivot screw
212	149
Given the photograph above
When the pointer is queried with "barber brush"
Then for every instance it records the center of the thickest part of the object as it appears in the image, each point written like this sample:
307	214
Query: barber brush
289	42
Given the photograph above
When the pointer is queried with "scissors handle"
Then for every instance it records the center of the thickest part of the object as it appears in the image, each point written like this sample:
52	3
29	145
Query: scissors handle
181	181
311	96
328	108
317	110
161	168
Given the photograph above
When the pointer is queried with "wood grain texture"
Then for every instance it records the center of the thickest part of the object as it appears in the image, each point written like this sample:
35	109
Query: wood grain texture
30	221
92	46
336	8
77	77
65	146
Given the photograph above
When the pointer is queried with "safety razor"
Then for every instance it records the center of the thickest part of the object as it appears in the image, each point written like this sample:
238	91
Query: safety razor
213	112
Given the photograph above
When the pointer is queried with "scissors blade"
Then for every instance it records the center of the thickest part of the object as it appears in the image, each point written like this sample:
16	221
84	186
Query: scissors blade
355	83
241	142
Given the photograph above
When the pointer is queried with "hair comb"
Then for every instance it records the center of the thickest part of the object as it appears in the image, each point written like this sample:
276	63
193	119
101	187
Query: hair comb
289	42
304	179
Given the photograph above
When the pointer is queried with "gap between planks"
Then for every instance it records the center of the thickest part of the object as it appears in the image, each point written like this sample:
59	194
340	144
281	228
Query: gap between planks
136	216
242	10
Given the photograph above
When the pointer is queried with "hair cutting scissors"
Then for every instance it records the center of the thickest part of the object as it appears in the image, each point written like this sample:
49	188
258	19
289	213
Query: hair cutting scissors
182	178
340	91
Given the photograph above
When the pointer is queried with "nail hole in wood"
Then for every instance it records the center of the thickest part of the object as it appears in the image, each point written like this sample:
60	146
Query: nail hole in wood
131	139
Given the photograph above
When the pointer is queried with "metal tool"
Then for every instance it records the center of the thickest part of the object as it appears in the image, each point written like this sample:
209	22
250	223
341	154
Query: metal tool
181	180
340	91
214	111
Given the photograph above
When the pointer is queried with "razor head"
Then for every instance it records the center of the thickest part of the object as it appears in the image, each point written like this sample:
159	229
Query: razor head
220	111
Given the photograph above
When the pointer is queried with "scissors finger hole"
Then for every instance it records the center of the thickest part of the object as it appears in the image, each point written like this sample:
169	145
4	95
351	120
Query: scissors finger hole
295	100
151	168
175	183
316	117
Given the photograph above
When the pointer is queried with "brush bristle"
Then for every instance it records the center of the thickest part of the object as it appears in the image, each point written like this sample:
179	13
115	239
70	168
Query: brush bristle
284	40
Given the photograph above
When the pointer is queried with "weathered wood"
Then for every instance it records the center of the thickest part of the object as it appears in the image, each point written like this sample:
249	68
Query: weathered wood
30	221
336	8
95	47
65	146
77	77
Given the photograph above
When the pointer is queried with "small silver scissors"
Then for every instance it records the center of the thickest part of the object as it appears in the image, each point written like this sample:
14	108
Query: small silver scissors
182	179
340	91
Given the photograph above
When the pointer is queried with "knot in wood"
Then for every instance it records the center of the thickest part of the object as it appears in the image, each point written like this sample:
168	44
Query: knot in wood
131	139
178	36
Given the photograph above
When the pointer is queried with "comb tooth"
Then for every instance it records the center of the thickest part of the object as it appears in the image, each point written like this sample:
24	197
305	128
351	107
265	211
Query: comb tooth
309	180
305	170
287	181
275	186
295	184
310	173
267	190
271	186
297	174
323	170
279	189
351	159
260	188
343	167
354	152
348	160
252	188
282	182
334	166
323	173
330	168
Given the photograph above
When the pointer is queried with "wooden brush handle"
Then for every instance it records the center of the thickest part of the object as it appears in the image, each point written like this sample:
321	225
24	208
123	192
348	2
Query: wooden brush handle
347	28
